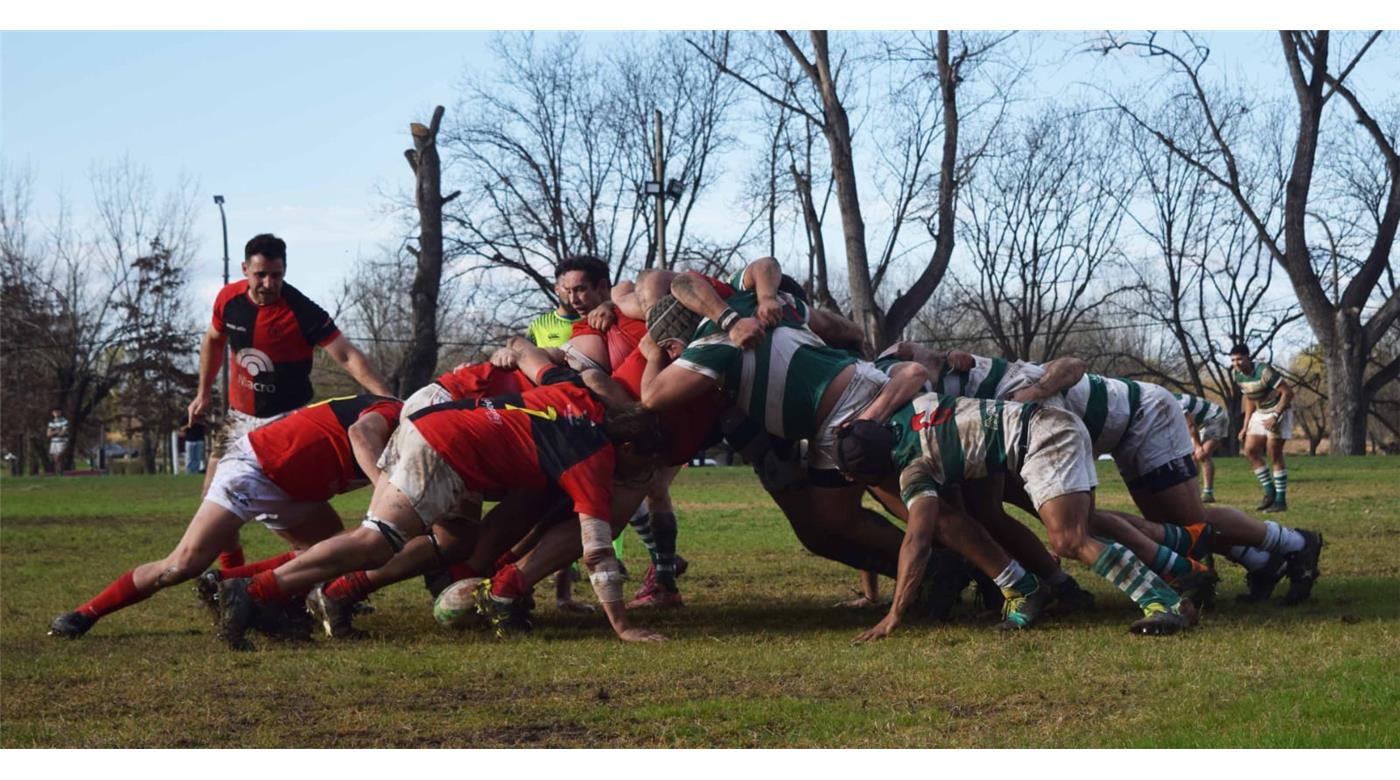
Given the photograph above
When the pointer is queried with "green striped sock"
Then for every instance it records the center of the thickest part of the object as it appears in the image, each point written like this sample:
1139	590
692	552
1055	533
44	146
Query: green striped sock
1170	565
1176	538
1118	565
1280	485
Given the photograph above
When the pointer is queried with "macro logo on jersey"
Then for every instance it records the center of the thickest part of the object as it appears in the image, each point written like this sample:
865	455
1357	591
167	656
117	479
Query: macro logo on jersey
271	348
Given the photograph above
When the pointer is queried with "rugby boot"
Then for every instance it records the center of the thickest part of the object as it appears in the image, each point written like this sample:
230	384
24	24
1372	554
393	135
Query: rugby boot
236	613
1199	585
1301	568
1161	620
1207	498
508	617
1069	597
71	625
945	578
652	594
206	589
1261	582
284	622
334	616
1019	611
1277	506
437	581
1268	500
986	595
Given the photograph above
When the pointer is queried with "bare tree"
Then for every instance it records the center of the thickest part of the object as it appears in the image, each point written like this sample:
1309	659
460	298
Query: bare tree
1336	321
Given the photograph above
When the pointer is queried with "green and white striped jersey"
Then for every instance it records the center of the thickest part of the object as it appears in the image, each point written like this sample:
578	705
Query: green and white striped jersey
779	385
1199	409
1107	405
941	441
988	378
1261	386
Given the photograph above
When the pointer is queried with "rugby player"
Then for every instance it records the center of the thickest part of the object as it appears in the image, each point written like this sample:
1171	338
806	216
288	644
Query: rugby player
1209	425
1268	415
281	475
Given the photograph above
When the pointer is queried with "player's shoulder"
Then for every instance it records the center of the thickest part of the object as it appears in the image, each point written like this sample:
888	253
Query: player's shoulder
229	292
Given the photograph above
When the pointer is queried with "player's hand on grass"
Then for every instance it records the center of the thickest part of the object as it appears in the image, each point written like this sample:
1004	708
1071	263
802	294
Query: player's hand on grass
603	316
769	311
747	333
880	631
503	358
575	606
639	635
859	602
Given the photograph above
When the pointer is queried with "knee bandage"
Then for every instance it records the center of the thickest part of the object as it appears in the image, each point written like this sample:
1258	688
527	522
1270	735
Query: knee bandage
391	534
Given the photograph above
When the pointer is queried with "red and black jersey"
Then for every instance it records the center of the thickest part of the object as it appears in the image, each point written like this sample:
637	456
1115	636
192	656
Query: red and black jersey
551	434
308	453
479	380
622	338
270	348
688	427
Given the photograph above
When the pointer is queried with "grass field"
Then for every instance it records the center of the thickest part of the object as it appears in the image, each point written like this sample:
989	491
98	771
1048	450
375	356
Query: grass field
758	658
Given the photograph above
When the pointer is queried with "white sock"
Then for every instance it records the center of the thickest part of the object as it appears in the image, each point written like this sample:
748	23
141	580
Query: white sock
1009	576
1281	539
1251	558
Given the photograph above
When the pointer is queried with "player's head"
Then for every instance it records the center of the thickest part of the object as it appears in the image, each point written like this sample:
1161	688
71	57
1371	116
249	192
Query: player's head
582	282
264	265
56	412
1239	357
671	325
636	435
865	451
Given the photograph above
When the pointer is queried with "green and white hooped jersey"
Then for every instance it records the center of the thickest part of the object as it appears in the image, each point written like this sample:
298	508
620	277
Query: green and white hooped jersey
779	385
1261	386
988	378
1199	409
1107	405
941	441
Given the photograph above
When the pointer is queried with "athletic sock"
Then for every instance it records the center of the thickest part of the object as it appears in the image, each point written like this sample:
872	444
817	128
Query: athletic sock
1281	539
1251	558
1262	474
1176	538
1118	565
1201	536
641	523
1171	566
1207	492
349	587
507	583
663	530
507	558
1014	580
265	588
255	567
1280	485
229	559
119	594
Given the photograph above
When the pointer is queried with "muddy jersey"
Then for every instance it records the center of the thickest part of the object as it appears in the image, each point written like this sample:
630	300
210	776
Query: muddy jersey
995	378
1199	409
1107	405
308	453
778	384
941	441
1260	386
547	435
270	348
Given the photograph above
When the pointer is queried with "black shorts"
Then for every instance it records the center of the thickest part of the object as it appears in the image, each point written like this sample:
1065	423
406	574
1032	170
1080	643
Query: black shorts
1169	474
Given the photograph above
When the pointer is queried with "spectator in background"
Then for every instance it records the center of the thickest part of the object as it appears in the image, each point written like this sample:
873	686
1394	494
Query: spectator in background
58	439
193	434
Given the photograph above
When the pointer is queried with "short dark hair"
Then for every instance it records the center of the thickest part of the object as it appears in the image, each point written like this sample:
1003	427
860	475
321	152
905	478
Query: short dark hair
269	246
595	269
1239	349
636	425
865	448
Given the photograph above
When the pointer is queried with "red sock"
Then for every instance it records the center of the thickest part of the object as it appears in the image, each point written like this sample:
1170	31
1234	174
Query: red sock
351	587
266	589
507	558
507	582
462	571
229	559
121	593
256	567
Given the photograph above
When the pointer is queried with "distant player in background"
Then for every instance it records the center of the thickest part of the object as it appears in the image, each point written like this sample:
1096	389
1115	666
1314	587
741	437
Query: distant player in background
1209	425
1268	418
57	434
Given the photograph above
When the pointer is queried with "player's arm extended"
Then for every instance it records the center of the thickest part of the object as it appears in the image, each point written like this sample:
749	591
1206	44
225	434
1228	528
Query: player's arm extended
835	329
606	576
368	435
1060	374
1246	412
697	295
357	366
211	354
530	359
913	559
906	381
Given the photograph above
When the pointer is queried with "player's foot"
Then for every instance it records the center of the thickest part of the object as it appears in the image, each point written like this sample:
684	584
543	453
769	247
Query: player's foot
236	613
1261	582
944	581
436	582
1020	611
1160	620
206	589
71	625
508	617
1069	597
1199	585
1277	506
335	617
986	595
1207	498
1302	570
284	622
1267	502
656	597
682	565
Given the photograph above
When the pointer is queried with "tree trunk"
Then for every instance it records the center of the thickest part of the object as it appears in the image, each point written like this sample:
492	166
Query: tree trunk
1347	404
421	360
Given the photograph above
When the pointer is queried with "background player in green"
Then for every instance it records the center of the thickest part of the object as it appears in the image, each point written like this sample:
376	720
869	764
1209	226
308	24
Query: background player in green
1267	418
1209	425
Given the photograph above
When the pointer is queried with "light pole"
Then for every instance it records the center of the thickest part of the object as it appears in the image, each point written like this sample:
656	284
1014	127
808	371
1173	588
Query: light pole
223	359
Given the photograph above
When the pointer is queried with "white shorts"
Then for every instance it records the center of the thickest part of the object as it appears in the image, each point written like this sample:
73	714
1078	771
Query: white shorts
1283	426
1155	437
57	448
1219	428
865	384
236	426
430	394
241	487
1059	457
431	484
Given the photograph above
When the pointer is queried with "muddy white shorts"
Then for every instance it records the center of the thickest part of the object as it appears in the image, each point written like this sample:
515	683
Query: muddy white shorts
1283	425
430	394
1059	457
865	384
241	487
236	426
1156	437
431	484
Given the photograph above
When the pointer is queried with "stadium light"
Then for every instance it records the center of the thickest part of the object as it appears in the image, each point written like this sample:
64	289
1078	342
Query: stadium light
223	219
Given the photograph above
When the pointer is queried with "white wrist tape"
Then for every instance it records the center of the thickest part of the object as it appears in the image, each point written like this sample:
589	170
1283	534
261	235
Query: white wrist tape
607	579
596	534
